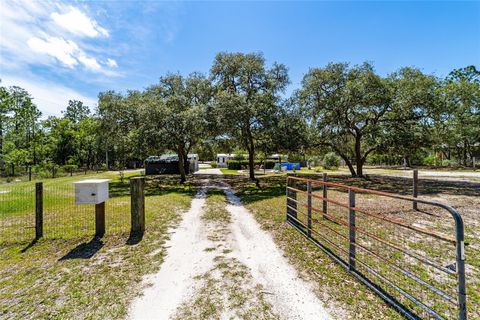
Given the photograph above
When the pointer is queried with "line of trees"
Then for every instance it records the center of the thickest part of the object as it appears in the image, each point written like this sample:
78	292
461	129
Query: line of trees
350	110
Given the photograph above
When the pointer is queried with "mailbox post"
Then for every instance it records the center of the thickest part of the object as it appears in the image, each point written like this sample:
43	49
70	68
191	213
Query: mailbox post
94	191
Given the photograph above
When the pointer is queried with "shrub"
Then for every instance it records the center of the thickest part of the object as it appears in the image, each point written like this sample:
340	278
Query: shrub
431	160
331	161
449	163
237	164
213	164
70	168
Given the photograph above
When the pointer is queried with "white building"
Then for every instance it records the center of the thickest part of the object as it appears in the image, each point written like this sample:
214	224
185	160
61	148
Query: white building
222	159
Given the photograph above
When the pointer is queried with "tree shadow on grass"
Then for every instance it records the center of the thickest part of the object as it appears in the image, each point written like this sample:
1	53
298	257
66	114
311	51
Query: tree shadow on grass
84	250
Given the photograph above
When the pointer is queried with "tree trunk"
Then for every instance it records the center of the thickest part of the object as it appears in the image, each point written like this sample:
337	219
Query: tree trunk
349	164
251	164
181	166
358	155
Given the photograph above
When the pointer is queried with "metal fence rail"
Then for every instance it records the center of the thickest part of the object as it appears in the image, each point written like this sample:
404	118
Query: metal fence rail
413	258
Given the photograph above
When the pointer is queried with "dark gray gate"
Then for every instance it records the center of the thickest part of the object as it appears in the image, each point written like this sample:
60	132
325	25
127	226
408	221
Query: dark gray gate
413	258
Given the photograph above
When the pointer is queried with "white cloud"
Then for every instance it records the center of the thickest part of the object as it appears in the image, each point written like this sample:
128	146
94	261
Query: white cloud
30	36
65	51
78	23
49	97
112	63
89	63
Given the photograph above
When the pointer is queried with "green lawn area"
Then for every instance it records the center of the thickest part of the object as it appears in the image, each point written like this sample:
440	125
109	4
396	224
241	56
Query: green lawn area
75	276
229	171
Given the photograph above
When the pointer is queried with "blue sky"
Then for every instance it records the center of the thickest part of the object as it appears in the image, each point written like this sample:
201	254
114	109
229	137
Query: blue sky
73	50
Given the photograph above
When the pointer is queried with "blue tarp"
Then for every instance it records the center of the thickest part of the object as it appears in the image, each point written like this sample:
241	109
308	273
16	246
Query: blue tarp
290	165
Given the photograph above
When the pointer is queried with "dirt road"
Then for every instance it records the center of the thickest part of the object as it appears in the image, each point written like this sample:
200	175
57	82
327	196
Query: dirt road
221	265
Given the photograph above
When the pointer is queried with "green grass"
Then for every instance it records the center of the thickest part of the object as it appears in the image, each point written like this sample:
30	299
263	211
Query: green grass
75	276
62	218
229	171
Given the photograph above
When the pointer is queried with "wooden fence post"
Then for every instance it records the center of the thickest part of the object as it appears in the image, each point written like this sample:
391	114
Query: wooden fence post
38	210
415	188
324	203
100	219
137	193
351	224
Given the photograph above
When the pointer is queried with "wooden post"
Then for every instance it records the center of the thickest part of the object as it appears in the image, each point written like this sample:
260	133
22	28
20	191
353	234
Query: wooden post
351	224
100	219
291	201
415	188
137	193
309	208
473	163
324	203
38	210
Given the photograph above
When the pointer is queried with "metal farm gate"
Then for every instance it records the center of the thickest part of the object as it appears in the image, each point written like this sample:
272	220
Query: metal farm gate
411	255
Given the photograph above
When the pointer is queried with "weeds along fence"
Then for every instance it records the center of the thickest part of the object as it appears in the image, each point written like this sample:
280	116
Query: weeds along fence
413	256
62	218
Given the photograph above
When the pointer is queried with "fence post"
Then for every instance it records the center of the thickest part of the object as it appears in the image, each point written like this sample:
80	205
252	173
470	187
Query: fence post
351	224
415	188
291	201
137	193
100	219
324	203
38	210
309	208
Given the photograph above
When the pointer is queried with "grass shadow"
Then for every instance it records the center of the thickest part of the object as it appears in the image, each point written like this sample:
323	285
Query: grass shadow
134	238
31	244
84	250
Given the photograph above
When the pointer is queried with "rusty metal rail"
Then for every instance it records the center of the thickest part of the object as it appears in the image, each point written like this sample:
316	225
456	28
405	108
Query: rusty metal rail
406	264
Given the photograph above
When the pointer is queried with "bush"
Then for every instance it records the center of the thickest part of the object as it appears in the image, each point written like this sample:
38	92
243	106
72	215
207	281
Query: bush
213	164
431	160
70	168
237	164
449	163
331	161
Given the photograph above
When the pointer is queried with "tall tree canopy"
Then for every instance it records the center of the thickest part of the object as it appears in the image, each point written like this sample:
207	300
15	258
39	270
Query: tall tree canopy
344	107
175	113
247	97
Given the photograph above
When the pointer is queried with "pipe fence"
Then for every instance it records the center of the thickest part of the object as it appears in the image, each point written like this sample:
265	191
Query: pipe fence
412	256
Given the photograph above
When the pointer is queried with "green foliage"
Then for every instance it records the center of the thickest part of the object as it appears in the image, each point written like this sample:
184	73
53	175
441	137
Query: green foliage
213	164
431	160
344	107
237	164
244	164
247	100
331	161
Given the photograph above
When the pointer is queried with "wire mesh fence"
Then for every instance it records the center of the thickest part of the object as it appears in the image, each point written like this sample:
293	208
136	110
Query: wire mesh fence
409	256
62	218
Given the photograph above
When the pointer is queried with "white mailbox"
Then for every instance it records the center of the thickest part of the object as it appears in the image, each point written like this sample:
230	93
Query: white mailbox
92	191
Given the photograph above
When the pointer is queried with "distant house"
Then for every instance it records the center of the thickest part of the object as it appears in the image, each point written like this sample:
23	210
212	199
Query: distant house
168	164
222	159
278	157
